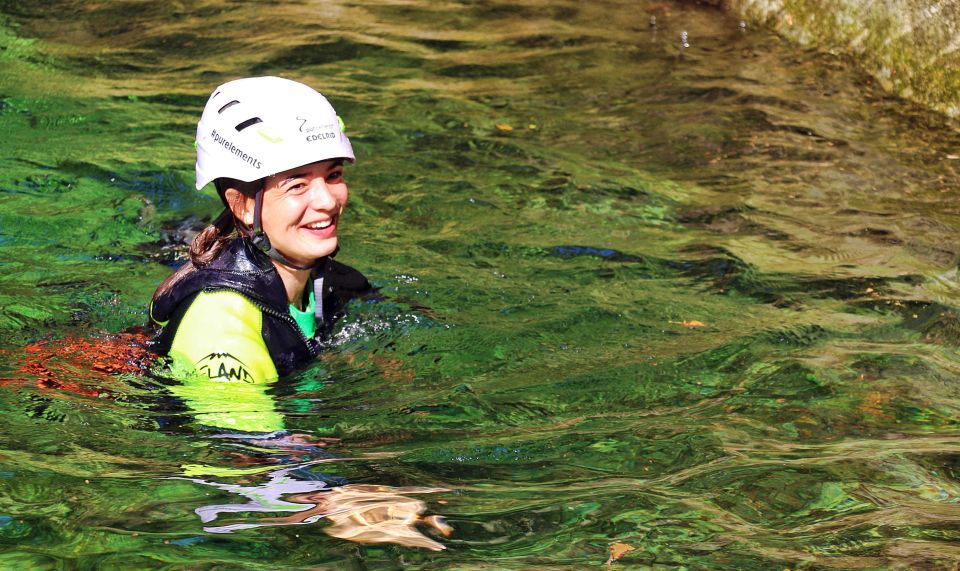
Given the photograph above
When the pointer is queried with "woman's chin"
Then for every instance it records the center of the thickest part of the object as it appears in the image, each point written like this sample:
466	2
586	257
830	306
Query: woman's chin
328	248
312	255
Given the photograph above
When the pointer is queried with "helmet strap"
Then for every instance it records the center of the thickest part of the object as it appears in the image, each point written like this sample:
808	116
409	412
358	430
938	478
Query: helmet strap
260	239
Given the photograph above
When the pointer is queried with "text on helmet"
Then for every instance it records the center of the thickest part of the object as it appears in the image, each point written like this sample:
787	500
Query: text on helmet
251	160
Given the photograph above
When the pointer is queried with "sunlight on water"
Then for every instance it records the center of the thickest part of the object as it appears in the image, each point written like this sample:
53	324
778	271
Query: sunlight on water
657	290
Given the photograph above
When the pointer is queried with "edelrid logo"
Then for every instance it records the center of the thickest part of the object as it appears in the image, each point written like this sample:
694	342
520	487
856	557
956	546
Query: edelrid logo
317	132
321	136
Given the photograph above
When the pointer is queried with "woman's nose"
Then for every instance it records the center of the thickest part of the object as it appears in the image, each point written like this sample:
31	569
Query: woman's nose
321	196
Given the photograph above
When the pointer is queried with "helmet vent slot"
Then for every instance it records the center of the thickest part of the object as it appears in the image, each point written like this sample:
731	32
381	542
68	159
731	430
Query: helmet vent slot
248	122
228	106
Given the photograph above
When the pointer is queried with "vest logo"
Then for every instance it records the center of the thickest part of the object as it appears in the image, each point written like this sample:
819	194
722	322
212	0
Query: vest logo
224	366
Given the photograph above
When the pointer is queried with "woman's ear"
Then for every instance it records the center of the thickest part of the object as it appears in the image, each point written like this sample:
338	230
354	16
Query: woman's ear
241	205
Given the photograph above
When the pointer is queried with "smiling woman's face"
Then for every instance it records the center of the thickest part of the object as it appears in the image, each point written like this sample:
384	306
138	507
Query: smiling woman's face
302	208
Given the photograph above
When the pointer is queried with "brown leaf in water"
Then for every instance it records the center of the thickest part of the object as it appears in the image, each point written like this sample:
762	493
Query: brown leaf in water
618	550
691	324
875	404
504	127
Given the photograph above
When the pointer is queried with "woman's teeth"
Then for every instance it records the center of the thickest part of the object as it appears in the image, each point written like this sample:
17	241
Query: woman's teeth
320	225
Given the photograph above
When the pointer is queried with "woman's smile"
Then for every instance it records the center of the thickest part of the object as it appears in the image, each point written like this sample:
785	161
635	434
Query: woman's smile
322	228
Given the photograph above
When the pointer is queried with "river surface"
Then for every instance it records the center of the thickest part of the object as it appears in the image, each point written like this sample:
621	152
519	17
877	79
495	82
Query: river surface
657	290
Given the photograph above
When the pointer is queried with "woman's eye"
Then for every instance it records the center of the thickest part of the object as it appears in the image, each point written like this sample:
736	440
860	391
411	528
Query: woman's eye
297	188
334	176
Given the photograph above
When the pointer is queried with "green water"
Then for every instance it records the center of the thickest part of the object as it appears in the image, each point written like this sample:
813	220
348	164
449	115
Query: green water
696	300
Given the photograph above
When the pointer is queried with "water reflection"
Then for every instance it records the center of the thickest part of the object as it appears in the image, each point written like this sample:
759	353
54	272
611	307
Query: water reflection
356	512
372	514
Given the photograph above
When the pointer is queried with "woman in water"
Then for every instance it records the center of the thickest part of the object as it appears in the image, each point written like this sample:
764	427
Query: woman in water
261	289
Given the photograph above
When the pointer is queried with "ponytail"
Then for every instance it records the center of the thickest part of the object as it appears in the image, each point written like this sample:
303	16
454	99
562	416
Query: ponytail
213	239
205	248
208	244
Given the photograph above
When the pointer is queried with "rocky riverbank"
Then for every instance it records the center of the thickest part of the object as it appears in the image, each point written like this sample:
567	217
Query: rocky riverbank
912	47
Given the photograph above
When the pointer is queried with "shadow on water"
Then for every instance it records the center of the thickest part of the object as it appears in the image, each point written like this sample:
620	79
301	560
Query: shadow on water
650	280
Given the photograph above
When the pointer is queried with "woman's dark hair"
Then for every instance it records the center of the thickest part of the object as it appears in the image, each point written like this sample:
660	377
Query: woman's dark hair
212	240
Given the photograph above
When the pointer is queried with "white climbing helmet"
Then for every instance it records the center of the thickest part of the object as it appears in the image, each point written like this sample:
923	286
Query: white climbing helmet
255	127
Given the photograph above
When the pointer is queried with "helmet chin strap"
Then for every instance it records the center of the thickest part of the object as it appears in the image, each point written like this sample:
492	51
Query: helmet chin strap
262	242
